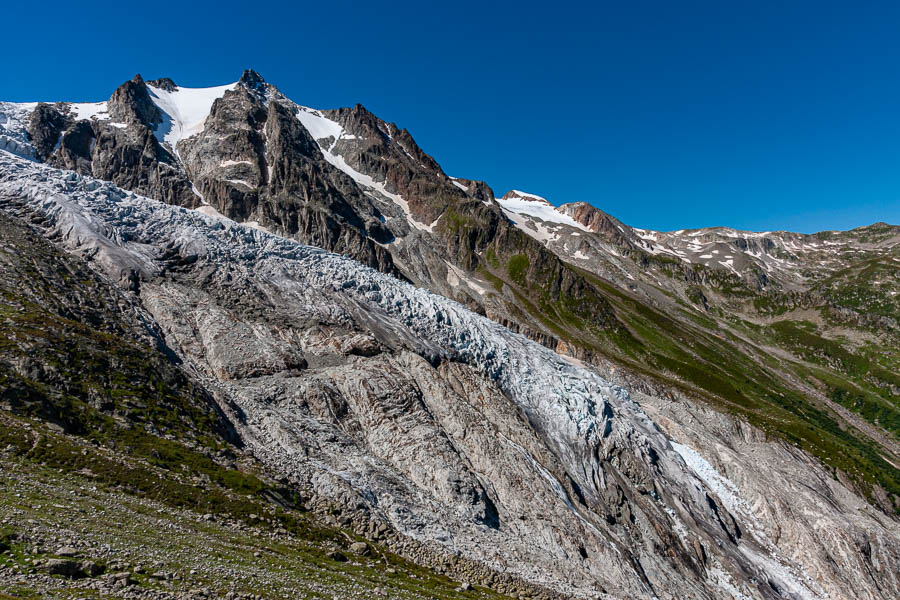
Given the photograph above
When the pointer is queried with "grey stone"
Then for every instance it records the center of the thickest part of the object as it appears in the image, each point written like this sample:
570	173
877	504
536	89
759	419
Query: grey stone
64	567
67	551
360	548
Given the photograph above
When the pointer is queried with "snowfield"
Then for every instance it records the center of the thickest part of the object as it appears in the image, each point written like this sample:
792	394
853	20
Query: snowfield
534	206
184	110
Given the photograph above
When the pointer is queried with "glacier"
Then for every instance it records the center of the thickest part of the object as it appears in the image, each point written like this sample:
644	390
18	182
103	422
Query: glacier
600	436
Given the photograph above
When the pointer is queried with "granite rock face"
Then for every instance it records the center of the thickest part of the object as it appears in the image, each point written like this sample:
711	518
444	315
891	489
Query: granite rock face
120	147
45	124
272	172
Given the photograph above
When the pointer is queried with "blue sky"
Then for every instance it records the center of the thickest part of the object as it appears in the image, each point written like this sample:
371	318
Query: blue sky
758	115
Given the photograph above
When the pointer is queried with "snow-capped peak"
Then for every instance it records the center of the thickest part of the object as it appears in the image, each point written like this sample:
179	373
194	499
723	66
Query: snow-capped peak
518	204
512	194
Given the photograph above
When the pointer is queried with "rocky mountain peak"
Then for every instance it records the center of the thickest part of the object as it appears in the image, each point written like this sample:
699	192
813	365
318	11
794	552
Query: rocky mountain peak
45	124
363	123
131	103
164	83
252	80
592	217
519	195
479	190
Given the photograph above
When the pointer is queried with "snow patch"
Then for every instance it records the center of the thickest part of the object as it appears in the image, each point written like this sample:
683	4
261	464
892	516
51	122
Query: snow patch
318	126
533	197
321	128
539	209
455	276
184	110
89	110
240	182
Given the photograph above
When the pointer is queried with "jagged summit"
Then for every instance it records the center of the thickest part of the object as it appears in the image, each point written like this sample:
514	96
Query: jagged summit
131	104
252	80
163	83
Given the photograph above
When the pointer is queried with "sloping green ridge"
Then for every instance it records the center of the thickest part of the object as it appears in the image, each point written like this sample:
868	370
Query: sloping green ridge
736	374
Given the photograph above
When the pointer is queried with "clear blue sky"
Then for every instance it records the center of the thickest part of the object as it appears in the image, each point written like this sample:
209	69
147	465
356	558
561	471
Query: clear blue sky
758	115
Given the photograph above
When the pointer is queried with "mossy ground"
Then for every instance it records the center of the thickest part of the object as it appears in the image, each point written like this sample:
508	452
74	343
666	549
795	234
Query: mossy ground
250	546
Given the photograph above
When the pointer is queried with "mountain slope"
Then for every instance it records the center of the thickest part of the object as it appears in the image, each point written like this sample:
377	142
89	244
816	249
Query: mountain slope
408	410
667	307
809	330
108	442
484	418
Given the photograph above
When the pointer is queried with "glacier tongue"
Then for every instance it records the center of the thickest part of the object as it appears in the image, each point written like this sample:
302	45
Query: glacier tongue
576	400
100	216
608	450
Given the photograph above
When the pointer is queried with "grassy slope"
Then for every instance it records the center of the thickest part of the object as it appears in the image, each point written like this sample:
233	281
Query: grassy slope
725	360
52	484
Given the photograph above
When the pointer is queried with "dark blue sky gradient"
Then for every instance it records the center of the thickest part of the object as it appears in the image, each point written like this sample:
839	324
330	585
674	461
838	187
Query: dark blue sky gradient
757	115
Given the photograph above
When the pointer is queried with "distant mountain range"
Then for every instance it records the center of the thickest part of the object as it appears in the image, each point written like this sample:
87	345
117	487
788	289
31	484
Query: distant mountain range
711	413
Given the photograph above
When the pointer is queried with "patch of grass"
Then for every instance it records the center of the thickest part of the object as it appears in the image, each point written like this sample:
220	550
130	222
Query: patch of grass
516	267
61	465
870	287
491	257
746	381
495	281
865	388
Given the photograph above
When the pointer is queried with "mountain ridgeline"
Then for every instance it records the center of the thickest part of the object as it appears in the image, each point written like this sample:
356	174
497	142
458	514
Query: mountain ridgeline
764	364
